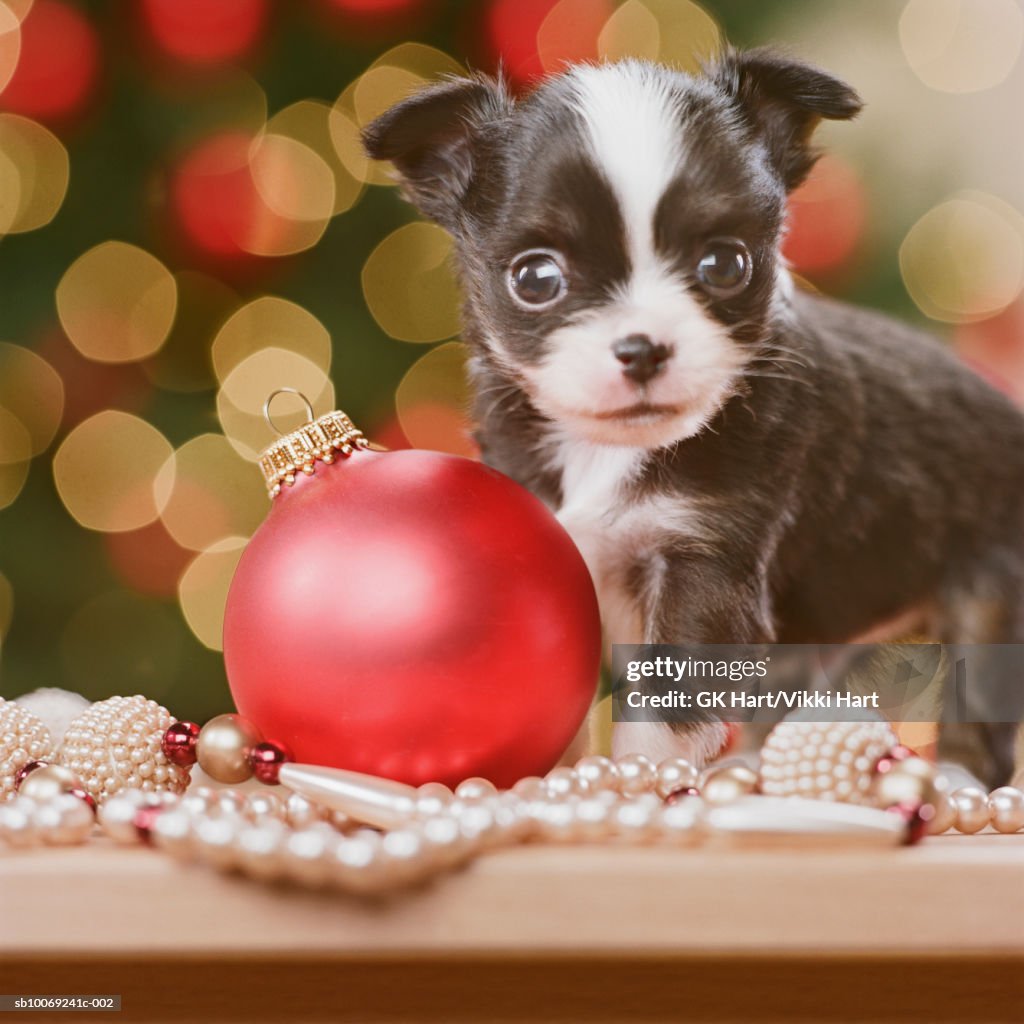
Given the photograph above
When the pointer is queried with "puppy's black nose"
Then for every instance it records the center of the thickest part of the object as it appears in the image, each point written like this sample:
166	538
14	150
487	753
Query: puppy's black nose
641	358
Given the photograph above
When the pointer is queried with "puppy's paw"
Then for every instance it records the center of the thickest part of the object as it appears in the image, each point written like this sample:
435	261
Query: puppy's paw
699	743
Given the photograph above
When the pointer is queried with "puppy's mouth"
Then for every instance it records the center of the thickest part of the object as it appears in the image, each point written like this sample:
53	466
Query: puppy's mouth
641	412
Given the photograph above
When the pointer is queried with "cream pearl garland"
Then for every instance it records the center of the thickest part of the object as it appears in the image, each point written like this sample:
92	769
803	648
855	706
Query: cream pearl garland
121	752
63	820
117	744
824	760
23	739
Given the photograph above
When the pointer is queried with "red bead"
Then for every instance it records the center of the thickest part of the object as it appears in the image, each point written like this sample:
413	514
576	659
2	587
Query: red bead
86	796
266	760
916	816
179	743
144	820
676	795
25	770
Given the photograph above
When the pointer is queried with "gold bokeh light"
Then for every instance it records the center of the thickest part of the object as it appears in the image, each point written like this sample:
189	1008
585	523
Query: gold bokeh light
409	285
19	8
12	480
309	122
116	303
964	259
209	492
10	43
203	590
632	31
248	386
432	401
297	187
15	453
15	442
32	391
10	193
962	45
393	76
270	322
676	32
34	172
106	469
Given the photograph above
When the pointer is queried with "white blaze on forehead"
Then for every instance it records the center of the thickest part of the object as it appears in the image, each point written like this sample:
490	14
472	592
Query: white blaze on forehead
632	121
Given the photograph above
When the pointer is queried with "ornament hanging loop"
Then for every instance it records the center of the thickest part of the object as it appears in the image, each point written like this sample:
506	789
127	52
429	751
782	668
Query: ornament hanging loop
310	415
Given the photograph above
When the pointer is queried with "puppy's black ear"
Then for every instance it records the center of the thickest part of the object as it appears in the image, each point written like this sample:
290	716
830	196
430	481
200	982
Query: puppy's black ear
784	99
434	139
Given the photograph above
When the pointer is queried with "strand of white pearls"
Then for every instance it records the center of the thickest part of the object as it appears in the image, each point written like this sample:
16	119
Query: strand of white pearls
60	820
268	834
271	837
969	809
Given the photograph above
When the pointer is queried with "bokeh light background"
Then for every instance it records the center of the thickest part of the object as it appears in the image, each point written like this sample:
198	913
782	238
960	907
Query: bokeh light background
187	223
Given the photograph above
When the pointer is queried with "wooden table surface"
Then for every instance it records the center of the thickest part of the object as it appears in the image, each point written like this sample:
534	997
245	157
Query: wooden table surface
934	932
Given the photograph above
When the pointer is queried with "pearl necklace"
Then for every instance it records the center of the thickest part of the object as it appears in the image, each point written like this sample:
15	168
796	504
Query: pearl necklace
129	759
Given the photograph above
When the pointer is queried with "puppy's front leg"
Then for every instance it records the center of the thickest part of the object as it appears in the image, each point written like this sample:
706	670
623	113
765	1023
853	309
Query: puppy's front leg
697	599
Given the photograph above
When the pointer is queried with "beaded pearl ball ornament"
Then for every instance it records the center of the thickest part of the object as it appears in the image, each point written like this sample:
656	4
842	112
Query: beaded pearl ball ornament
23	739
117	744
824	760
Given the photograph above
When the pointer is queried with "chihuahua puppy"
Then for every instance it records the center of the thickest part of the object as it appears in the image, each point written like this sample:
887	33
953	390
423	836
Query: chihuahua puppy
739	461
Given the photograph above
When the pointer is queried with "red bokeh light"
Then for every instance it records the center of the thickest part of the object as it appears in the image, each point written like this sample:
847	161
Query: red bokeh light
993	349
827	217
217	204
205	31
533	37
58	66
148	560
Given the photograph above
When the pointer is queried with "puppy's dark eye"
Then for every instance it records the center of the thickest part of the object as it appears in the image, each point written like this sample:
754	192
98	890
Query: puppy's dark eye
536	278
725	268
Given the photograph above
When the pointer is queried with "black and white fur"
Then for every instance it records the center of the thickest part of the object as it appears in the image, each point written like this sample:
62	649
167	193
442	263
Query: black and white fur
794	469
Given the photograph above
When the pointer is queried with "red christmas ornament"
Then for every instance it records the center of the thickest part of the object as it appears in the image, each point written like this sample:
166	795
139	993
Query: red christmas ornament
409	614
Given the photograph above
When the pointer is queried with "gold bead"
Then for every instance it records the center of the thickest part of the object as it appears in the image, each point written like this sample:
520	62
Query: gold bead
223	748
563	782
74	822
597	771
728	783
475	789
637	774
944	817
676	773
532	787
432	798
1006	809
971	806
48	783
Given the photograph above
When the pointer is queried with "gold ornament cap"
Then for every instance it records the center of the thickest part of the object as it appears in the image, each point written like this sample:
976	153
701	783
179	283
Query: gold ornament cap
320	439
